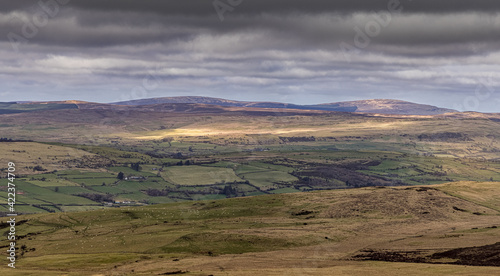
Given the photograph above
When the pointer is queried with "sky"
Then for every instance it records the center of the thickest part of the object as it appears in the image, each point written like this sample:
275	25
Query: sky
443	53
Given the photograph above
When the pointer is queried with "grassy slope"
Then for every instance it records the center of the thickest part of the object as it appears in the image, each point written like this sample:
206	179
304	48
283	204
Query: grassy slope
315	233
28	155
482	193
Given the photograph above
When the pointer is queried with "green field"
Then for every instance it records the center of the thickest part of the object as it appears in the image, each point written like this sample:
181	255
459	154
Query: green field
199	175
268	178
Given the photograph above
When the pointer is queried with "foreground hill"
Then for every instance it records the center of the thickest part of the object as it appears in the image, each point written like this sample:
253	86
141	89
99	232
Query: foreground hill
367	106
420	230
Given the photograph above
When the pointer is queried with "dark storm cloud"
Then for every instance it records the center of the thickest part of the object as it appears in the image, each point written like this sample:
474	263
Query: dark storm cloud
319	24
204	7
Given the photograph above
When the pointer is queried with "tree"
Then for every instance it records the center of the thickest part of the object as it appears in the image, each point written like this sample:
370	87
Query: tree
120	176
229	191
168	140
136	166
39	168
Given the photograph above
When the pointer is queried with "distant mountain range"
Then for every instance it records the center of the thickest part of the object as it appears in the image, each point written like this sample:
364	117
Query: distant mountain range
205	104
381	106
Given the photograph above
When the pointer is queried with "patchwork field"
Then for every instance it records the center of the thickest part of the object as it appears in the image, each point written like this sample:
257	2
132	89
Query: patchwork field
52	177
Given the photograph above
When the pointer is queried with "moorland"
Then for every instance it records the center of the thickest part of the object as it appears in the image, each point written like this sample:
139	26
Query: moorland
206	189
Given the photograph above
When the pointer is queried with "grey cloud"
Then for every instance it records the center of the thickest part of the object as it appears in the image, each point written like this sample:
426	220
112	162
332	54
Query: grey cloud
469	33
273	50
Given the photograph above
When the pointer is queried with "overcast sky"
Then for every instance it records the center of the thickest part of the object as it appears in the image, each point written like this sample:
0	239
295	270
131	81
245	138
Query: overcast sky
444	53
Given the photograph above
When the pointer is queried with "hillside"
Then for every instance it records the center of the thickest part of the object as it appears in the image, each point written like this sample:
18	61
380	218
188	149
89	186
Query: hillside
392	107
320	233
12	107
224	102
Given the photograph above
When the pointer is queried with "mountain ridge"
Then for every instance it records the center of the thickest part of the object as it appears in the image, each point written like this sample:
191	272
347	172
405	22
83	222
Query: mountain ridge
373	106
382	106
